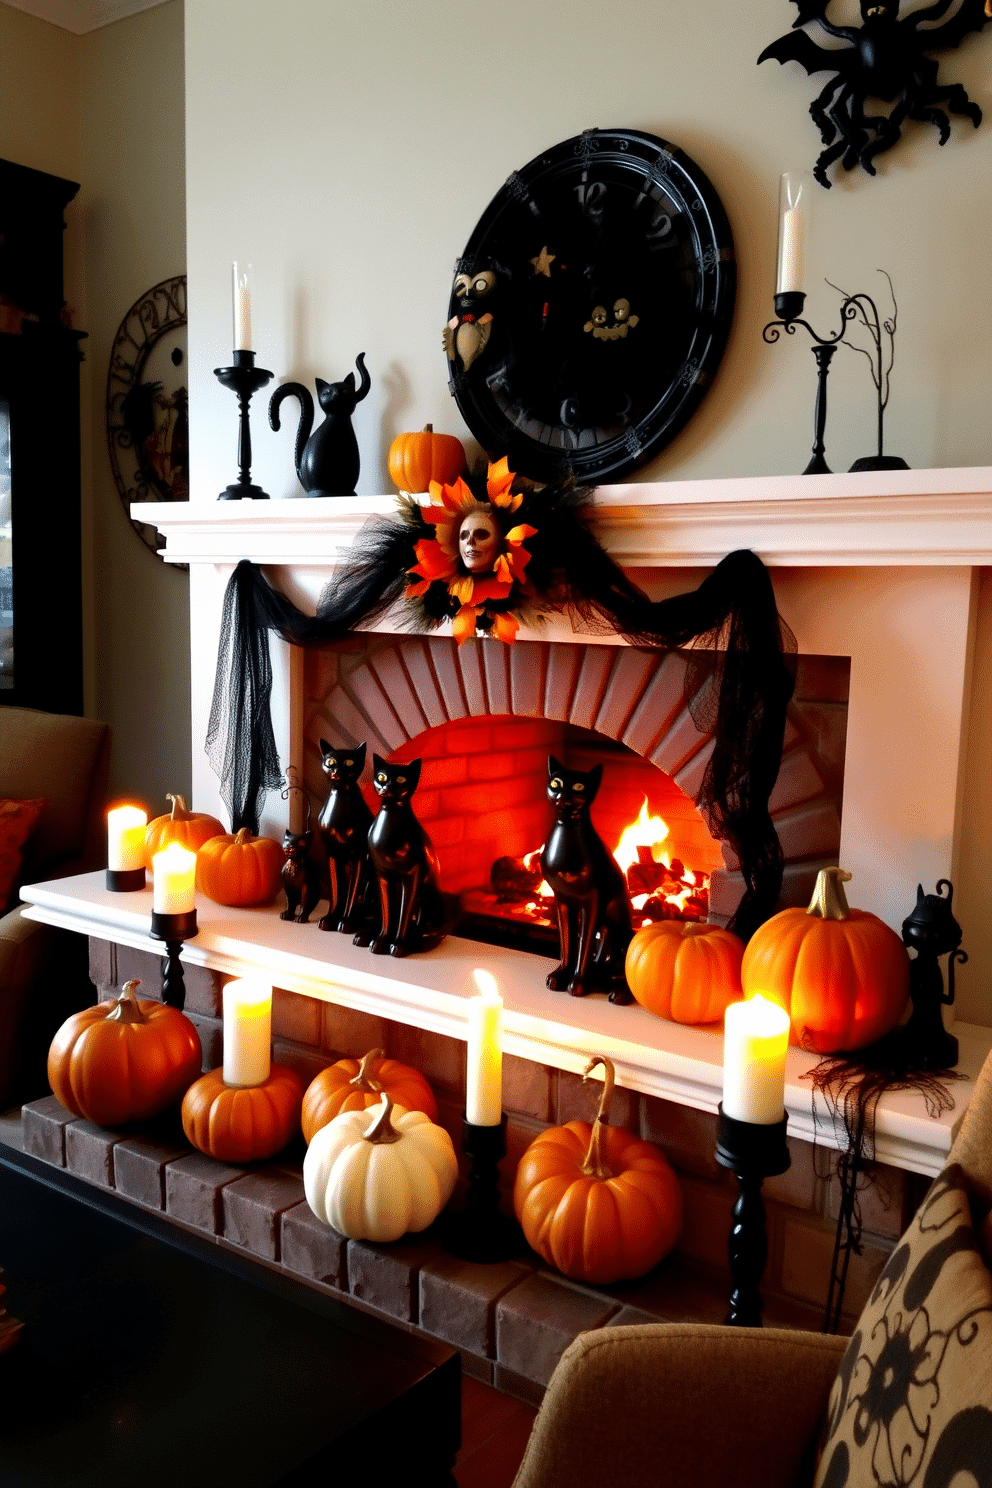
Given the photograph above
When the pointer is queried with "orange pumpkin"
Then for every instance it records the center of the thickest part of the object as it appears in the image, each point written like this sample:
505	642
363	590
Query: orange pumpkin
685	971
123	1061
416	459
595	1201
236	1123
242	869
353	1086
191	829
841	974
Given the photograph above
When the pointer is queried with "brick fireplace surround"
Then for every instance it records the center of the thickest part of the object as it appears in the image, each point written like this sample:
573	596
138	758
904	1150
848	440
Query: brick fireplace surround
863	570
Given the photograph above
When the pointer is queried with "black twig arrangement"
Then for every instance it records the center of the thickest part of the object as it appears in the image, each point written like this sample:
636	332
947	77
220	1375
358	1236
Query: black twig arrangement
860	309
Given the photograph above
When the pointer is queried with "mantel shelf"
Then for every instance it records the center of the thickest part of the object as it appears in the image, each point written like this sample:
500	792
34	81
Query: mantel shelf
905	517
681	1064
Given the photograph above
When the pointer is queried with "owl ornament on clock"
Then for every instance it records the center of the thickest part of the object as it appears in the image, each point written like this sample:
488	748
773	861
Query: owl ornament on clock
467	333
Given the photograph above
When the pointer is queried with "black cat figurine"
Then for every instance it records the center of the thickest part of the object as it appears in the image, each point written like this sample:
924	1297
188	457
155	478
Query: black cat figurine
411	905
300	877
932	931
594	920
327	461
344	824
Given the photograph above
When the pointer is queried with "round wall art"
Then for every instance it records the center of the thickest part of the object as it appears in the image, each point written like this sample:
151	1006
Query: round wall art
148	403
591	307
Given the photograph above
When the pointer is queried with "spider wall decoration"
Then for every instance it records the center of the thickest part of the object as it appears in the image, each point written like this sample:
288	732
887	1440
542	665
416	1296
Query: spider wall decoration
885	59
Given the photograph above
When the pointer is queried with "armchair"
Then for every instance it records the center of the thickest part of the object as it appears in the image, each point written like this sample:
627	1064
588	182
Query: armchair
907	1400
63	760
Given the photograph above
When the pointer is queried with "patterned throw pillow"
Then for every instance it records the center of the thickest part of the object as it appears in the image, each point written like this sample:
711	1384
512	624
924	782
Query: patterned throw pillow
17	818
912	1402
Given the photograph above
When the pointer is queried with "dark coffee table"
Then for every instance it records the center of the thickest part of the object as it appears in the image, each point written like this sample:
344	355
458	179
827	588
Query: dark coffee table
149	1357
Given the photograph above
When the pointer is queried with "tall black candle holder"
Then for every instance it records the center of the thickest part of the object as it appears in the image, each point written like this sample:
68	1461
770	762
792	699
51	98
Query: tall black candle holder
753	1152
173	929
480	1232
244	378
789	309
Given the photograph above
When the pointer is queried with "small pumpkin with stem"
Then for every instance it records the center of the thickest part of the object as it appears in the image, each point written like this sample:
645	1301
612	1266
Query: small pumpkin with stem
684	970
123	1060
353	1085
595	1201
191	829
242	1123
380	1173
414	460
841	974
241	869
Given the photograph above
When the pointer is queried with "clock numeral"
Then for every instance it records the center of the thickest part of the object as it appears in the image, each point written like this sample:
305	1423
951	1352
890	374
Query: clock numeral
592	196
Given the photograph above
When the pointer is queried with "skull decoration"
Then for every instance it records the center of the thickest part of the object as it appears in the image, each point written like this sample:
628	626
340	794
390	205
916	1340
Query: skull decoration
479	541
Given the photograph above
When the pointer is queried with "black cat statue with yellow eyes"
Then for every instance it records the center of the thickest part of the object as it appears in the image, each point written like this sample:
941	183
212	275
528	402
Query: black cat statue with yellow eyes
411	905
594	919
344	824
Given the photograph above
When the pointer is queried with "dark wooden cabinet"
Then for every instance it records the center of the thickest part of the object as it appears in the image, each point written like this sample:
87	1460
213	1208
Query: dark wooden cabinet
41	656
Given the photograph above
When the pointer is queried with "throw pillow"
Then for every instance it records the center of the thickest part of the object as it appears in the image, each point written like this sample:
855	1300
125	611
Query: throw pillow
912	1402
17	819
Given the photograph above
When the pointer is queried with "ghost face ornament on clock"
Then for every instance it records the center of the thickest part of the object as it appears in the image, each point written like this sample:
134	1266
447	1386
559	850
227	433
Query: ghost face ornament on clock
606	269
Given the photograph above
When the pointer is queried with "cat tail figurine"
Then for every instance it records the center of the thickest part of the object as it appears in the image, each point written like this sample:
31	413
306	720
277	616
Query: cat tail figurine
413	913
343	826
327	460
591	899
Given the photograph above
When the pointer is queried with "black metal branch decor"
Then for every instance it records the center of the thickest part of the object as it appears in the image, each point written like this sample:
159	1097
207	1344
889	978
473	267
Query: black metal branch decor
880	362
886	60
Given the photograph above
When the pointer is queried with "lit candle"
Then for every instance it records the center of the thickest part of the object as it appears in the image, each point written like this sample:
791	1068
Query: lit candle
126	838
242	308
793	201
174	872
247	1033
484	1078
755	1040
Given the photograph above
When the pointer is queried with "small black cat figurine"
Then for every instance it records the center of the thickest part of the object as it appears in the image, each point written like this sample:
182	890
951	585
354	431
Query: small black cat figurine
300	877
344	825
327	461
932	931
594	921
412	910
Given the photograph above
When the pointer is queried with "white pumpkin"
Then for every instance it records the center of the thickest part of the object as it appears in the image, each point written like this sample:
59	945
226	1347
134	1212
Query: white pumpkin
379	1173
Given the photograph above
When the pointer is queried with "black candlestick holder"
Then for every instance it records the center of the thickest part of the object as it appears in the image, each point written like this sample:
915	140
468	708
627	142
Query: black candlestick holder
125	880
173	929
789	309
753	1152
244	378
480	1232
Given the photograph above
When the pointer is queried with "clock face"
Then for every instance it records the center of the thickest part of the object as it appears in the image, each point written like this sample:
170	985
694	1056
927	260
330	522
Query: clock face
591	307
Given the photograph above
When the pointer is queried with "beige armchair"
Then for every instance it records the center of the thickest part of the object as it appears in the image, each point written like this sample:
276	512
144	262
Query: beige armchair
907	1400
43	970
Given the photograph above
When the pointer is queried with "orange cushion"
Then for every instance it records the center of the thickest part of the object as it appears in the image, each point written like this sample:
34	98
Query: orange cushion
17	819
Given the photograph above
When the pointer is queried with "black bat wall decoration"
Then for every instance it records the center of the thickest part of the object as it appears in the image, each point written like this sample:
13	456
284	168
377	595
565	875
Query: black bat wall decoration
884	59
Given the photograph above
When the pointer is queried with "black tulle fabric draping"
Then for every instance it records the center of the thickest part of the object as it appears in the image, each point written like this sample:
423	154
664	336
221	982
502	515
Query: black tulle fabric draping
738	676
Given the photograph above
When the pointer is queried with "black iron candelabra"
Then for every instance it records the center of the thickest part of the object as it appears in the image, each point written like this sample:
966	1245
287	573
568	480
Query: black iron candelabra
173	929
480	1232
244	378
753	1152
789	309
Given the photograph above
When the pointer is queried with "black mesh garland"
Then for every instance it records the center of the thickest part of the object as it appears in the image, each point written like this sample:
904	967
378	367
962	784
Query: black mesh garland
738	680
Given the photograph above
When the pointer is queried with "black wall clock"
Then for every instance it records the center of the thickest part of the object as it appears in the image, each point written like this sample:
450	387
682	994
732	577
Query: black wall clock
148	403
591	306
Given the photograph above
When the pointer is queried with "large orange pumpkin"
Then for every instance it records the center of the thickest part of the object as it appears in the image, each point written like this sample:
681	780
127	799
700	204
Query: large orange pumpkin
352	1086
595	1201
123	1061
841	974
417	459
235	1123
242	869
685	971
191	829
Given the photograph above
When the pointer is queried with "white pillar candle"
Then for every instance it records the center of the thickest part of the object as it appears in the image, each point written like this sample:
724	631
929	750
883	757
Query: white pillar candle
126	838
484	1077
174	873
755	1041
247	1033
242	308
794	195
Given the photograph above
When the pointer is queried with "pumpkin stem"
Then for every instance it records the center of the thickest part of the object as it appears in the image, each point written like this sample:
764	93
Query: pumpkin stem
365	1080
428	428
179	810
382	1129
594	1165
829	902
243	835
127	1009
